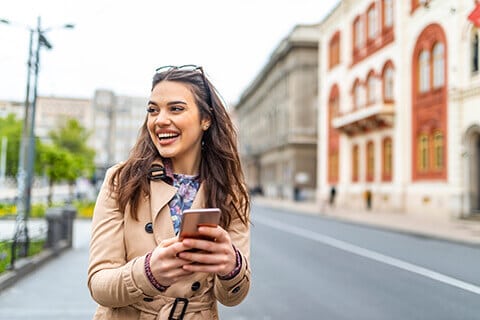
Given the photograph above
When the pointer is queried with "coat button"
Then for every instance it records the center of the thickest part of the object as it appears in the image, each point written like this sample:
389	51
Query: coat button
149	227
147	299
236	289
195	286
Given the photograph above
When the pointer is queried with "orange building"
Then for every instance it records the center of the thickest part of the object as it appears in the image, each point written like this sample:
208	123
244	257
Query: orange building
399	106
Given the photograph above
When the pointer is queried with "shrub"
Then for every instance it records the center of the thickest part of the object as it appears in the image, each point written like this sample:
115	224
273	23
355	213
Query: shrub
84	208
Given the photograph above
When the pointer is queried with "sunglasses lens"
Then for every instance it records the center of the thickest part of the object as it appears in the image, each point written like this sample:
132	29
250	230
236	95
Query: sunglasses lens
187	67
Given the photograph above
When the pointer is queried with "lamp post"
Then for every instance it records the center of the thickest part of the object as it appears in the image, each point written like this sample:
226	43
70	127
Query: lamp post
27	147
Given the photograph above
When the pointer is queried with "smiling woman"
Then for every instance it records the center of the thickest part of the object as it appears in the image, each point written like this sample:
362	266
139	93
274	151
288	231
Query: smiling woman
185	158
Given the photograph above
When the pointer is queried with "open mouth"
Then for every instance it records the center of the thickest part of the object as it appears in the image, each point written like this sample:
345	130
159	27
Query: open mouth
167	136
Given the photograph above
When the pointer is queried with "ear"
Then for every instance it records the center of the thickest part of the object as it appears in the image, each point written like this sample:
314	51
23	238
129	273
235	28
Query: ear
205	124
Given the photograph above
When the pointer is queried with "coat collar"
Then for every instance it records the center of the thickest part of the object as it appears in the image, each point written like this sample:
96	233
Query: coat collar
162	192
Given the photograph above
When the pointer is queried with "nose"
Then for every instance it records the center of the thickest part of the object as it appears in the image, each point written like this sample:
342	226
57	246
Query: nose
162	119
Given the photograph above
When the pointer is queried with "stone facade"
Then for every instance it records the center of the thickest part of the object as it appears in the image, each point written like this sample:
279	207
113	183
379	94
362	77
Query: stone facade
276	117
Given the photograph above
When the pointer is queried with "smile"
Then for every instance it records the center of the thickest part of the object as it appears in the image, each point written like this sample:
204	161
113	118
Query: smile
169	135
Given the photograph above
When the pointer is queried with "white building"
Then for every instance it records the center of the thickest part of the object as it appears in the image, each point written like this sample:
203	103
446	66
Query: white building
399	97
116	123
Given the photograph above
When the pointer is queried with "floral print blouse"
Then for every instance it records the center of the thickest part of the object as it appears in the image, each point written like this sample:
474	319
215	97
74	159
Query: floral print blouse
187	187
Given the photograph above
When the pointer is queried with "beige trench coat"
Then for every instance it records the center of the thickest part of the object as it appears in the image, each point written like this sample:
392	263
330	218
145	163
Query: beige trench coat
119	244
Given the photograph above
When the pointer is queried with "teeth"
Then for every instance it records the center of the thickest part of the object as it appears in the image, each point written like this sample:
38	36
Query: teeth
167	135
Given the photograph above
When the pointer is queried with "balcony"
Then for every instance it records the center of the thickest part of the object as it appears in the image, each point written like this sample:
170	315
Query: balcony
366	119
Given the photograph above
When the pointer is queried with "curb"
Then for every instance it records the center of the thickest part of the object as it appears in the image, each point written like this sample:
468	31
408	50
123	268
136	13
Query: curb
26	266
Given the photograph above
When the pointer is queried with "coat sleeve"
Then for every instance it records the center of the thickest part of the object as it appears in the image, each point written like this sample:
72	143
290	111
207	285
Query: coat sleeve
233	291
112	280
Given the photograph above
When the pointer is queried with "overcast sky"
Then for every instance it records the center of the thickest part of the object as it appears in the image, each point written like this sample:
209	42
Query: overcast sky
117	44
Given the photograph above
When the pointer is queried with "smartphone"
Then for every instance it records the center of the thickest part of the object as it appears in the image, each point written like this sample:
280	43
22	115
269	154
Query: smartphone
194	218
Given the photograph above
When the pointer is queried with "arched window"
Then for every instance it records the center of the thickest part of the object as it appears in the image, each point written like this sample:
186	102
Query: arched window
333	103
357	95
475	47
388	84
423	152
334	48
387	160
424	71
387	13
371	90
438	65
355	163
438	150
359	33
370	161
372	22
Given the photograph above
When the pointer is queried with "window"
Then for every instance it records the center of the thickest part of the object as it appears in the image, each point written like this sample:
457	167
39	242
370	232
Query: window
387	159
388	13
371	89
334	106
438	150
372	22
370	161
333	166
359	33
335	50
423	152
424	71
388	84
357	95
438	65
475	57
355	163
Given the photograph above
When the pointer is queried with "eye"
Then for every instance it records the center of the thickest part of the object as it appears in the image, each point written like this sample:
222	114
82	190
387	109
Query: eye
176	108
152	110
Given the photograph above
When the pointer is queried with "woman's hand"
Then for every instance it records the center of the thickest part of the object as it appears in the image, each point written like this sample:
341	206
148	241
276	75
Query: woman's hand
166	266
213	256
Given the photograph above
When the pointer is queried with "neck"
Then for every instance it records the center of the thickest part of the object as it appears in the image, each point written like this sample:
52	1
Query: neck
190	168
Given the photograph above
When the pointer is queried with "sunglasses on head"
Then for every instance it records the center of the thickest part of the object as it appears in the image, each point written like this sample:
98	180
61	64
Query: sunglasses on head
193	68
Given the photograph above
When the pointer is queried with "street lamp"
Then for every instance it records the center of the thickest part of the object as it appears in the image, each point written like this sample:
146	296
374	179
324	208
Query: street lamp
27	148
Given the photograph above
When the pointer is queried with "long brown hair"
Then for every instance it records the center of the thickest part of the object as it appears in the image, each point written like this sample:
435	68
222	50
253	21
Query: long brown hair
220	169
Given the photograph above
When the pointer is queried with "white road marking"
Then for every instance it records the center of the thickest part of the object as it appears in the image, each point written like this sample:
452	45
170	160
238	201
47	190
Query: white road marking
342	245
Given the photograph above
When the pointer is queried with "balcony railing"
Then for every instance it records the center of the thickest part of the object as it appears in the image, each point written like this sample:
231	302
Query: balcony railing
377	116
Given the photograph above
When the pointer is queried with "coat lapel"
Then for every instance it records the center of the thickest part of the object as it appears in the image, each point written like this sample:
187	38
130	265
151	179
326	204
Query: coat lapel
199	201
160	195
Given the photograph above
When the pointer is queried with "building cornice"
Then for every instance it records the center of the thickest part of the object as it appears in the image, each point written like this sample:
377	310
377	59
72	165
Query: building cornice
302	36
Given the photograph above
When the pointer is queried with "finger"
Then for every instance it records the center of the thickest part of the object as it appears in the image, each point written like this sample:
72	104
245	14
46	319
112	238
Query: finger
200	244
198	267
168	242
203	257
216	233
173	250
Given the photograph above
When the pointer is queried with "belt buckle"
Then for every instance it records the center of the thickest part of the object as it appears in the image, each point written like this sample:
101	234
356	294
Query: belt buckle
174	308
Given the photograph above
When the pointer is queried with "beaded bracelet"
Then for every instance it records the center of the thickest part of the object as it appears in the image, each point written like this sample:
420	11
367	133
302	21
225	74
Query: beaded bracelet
150	276
237	268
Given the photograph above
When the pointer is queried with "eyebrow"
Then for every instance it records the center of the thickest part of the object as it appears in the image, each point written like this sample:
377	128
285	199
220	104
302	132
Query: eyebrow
168	103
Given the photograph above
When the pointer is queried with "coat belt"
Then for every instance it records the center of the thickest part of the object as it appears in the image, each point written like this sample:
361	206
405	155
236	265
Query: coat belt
161	306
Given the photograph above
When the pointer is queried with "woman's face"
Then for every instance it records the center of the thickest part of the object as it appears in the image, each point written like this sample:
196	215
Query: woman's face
175	126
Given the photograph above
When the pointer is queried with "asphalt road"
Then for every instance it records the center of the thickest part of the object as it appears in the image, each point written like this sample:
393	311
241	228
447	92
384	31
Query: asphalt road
304	267
309	267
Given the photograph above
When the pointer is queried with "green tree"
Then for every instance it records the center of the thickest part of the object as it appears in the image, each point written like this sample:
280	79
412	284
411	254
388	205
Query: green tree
72	138
11	128
57	165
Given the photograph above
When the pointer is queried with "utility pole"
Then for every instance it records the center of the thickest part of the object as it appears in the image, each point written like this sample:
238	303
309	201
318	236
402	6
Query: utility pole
27	148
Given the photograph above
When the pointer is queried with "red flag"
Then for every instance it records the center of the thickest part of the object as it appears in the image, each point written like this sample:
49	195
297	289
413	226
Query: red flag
474	16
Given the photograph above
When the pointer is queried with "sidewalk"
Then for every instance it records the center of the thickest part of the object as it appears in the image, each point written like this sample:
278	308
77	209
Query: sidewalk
459	230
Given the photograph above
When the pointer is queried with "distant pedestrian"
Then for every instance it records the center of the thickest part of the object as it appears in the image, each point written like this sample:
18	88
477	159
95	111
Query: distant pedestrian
185	157
368	199
333	193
